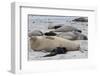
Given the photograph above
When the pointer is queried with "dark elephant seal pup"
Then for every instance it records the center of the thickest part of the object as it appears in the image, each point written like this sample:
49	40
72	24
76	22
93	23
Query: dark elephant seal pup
35	33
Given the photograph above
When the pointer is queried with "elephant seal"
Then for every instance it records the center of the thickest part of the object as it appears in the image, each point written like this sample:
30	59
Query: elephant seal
73	35
35	33
39	43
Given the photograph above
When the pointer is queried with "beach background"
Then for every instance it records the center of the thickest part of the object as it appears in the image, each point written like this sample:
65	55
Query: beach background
40	22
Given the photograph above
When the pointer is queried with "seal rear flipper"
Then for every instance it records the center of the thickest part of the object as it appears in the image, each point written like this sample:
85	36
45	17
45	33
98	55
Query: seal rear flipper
58	50
51	54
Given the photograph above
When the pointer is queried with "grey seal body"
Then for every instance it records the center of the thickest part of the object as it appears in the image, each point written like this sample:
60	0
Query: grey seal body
73	35
68	35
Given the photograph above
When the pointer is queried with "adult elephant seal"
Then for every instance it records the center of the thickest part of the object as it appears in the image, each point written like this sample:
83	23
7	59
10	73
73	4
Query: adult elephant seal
35	33
39	43
73	35
67	29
